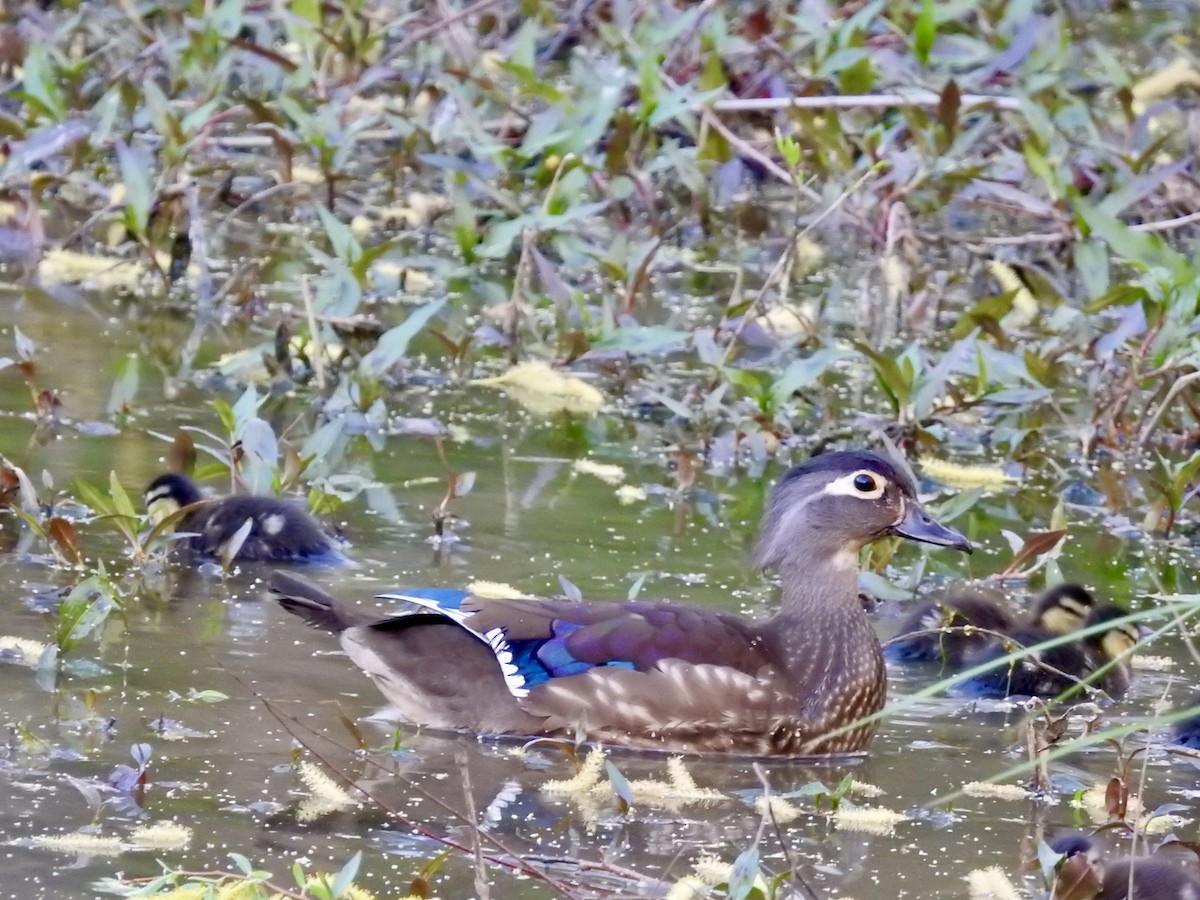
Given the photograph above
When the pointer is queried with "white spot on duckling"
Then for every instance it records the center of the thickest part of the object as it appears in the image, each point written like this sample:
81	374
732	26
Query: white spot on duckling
274	524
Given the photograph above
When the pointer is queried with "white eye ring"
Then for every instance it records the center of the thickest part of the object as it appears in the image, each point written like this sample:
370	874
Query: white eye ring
846	486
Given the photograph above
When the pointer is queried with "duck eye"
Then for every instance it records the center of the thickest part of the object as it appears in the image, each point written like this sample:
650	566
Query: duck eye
864	483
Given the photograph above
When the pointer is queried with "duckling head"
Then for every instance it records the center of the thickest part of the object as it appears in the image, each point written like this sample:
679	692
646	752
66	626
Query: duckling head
1064	608
836	503
1119	639
168	493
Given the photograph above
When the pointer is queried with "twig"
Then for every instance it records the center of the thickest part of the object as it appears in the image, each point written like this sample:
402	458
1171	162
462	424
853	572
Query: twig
1167	224
205	307
781	263
863	101
481	882
1152	423
768	810
420	34
314	333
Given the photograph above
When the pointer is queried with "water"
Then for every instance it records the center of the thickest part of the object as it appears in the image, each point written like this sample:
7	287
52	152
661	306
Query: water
226	769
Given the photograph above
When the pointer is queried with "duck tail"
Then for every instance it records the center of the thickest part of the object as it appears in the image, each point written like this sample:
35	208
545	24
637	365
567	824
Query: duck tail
308	601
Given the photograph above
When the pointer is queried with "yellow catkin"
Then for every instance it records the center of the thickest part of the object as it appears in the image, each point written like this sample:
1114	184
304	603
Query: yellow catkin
606	472
497	590
20	651
60	266
962	476
590	774
995	791
1024	304
1177	74
161	836
868	820
80	844
1152	663
780	810
991	884
628	494
546	391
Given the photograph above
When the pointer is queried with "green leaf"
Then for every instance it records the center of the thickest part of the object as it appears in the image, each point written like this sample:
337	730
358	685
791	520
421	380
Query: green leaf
125	388
743	874
345	245
82	611
346	876
41	80
644	339
924	32
225	414
135	174
226	19
1091	262
888	373
393	344
1136	246
121	502
620	786
801	373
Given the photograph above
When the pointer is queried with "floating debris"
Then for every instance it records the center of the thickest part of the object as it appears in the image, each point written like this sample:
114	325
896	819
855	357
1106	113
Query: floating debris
100	273
679	790
1152	663
589	776
712	871
497	590
591	784
80	843
164	835
545	391
991	884
628	494
606	472
780	811
995	791
868	820
21	651
865	789
327	795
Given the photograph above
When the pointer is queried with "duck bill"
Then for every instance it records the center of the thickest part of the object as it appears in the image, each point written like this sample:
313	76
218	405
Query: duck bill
918	525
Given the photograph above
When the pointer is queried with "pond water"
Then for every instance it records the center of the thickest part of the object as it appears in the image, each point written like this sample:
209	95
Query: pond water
226	769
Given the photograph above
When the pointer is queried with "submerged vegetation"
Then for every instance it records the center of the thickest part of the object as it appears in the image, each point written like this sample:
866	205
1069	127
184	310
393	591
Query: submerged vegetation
680	244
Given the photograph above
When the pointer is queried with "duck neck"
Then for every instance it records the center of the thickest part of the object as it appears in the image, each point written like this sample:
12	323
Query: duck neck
820	584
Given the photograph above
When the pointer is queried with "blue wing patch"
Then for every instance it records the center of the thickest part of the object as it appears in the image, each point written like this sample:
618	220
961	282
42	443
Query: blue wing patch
523	663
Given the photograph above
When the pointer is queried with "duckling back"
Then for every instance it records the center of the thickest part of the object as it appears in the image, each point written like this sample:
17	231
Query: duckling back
280	530
952	629
1098	658
944	630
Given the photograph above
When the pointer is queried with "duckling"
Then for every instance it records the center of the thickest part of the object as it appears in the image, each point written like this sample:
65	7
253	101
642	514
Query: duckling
1053	670
1084	875
1059	610
1186	732
662	676
281	531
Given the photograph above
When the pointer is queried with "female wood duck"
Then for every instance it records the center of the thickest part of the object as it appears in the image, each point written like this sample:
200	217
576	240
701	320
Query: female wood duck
1053	670
943	630
281	530
656	675
1084	875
